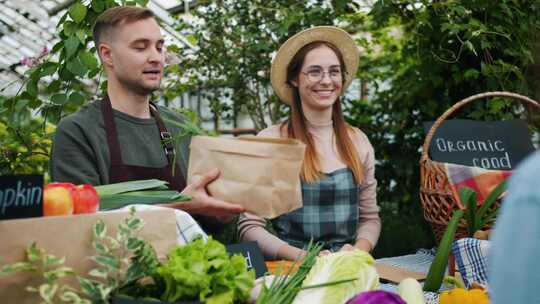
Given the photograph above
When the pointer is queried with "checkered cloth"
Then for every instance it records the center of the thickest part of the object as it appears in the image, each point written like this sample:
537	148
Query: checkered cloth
471	260
482	181
419	262
187	229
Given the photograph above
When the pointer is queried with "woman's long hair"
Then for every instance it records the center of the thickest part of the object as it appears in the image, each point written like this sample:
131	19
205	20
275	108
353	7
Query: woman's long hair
296	126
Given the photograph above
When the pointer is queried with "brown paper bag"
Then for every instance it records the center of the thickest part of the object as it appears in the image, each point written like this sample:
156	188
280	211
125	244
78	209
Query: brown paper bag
70	237
259	173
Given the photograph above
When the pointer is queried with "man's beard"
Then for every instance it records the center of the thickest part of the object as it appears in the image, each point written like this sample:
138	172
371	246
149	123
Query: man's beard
138	88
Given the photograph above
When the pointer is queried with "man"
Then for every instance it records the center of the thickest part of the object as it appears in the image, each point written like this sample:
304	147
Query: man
124	136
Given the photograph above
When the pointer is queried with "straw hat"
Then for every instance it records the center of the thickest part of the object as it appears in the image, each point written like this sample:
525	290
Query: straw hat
338	37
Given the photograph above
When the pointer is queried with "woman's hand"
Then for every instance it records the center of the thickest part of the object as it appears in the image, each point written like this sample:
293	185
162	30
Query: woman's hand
291	253
364	245
348	247
361	244
324	252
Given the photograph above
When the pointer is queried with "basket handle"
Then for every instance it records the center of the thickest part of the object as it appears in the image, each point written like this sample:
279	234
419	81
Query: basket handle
459	104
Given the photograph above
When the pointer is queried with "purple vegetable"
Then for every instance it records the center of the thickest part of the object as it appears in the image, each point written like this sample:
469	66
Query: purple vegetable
377	297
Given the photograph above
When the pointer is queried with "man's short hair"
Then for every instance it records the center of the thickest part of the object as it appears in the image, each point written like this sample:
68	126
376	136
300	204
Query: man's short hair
113	17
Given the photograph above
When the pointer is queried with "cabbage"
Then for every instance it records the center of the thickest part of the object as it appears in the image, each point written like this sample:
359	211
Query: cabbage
338	266
377	297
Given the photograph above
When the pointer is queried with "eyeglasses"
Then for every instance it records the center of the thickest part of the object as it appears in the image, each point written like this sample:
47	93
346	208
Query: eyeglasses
316	75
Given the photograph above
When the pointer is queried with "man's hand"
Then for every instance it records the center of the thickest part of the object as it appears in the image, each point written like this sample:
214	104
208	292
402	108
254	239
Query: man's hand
202	203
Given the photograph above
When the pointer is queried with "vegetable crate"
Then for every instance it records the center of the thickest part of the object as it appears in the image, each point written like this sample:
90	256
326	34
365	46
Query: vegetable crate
436	196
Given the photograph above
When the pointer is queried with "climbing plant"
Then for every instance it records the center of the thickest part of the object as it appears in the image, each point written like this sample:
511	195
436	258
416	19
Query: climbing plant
57	83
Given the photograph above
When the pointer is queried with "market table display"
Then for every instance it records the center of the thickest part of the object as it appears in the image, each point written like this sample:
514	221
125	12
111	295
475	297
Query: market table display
179	259
339	277
185	231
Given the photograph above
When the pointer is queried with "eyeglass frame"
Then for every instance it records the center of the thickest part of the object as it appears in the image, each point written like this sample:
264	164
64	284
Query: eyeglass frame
343	74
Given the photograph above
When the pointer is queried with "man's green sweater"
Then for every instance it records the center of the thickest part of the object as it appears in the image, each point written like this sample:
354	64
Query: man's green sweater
80	153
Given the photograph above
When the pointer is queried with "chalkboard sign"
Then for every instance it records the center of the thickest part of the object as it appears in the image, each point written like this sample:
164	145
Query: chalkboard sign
253	255
20	196
494	145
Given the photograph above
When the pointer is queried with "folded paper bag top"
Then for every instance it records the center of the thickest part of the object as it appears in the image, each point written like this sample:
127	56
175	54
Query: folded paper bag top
262	174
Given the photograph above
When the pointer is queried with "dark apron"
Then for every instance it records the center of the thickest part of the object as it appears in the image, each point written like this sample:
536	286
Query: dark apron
329	214
120	172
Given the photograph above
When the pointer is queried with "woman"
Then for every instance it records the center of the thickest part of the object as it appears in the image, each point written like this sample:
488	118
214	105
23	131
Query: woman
310	72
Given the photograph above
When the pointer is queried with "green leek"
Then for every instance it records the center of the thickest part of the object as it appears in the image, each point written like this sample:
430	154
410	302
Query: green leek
438	266
136	185
150	191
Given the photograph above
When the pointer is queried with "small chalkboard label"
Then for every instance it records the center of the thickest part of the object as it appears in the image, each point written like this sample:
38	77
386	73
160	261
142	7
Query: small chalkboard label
253	255
20	196
494	145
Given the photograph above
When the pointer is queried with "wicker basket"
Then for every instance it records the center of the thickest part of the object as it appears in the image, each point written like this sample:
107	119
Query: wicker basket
435	193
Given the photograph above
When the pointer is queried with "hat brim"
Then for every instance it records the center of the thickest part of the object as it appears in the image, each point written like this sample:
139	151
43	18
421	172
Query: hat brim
336	36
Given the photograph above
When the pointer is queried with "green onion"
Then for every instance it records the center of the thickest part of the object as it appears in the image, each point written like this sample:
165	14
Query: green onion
328	283
285	286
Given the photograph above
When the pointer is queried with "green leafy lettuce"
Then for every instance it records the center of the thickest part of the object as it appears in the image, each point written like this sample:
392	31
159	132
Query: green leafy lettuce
205	272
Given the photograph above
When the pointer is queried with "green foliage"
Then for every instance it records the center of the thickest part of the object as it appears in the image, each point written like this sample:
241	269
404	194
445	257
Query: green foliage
234	42
122	260
25	142
421	57
188	128
478	218
51	270
286	286
29	116
403	230
202	270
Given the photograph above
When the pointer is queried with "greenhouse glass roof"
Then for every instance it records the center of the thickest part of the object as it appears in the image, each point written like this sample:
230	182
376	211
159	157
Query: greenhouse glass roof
28	28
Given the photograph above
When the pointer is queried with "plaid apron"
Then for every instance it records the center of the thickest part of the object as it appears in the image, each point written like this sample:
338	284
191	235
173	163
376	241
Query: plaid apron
329	214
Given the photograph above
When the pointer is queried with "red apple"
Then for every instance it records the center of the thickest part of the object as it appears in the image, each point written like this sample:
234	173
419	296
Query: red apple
57	199
85	199
68	186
